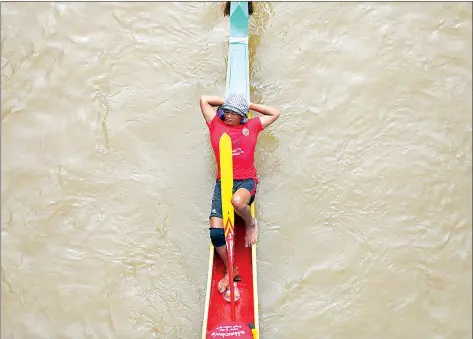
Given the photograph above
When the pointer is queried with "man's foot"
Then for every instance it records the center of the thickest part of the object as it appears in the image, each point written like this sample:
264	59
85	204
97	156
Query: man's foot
224	283
251	235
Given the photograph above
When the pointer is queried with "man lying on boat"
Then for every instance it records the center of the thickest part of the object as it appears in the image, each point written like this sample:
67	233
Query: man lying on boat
231	116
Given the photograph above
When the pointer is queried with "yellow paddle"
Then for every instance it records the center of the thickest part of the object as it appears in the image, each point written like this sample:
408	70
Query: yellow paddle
226	171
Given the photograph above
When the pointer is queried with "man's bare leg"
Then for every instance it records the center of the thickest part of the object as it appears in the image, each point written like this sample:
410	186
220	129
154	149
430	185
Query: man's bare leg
222	253
240	201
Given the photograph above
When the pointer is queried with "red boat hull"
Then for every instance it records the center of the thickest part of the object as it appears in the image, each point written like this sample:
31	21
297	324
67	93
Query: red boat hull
218	309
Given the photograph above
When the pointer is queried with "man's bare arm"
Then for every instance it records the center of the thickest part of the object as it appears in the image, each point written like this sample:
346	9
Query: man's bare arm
271	114
207	104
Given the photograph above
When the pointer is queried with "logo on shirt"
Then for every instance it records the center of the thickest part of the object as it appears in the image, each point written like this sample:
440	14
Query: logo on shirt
245	131
237	151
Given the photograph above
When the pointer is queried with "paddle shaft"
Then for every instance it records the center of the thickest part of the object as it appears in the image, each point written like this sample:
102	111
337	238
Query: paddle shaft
230	239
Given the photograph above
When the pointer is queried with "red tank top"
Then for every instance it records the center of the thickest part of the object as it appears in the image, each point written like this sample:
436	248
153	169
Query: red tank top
244	139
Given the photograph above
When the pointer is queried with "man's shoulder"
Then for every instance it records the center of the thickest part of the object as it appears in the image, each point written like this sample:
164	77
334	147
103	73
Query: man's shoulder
255	122
215	122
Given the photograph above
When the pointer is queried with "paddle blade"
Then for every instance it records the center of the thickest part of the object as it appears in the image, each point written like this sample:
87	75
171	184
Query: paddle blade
226	172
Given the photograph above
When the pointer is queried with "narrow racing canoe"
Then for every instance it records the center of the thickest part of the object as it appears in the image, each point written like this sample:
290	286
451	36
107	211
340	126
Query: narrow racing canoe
242	308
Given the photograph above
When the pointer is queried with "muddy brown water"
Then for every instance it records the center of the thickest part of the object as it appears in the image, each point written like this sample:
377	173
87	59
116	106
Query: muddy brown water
364	201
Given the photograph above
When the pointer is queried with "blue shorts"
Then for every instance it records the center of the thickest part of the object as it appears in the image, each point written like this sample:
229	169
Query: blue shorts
216	209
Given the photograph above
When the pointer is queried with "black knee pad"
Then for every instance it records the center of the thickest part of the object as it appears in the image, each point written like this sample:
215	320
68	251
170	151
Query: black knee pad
217	236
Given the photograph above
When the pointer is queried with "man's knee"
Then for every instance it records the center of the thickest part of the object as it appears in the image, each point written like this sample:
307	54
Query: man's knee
238	202
217	236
